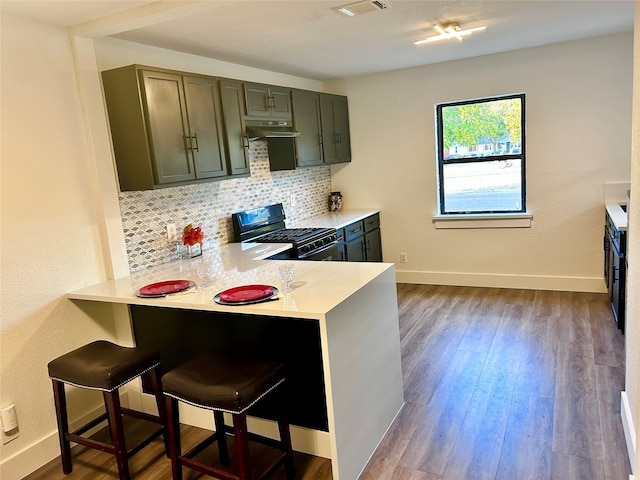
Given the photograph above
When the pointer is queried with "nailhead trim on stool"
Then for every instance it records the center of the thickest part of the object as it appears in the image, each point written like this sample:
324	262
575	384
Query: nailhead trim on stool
223	384
104	366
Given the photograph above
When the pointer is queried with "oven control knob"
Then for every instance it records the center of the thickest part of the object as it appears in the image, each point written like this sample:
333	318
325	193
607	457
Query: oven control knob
304	248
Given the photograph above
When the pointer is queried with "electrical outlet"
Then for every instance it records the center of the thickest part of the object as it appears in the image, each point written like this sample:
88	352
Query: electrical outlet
403	258
9	421
172	235
292	199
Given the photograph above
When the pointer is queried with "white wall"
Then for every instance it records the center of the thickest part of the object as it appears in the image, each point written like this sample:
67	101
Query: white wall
578	101
50	234
631	395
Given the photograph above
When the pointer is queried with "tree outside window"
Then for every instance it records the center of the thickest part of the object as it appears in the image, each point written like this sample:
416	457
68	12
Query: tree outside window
481	160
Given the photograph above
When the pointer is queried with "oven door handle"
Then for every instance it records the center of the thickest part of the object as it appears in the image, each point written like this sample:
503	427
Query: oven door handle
313	253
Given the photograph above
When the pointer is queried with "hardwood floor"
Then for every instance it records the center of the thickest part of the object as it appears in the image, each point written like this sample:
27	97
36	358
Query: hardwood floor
499	384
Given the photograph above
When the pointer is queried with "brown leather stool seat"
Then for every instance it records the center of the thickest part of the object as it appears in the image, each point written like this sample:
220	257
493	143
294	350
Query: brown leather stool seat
223	384
104	366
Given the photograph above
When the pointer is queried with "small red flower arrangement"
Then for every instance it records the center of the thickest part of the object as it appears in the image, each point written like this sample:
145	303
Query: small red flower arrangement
191	235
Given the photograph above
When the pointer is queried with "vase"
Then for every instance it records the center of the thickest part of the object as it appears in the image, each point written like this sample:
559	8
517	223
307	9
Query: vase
335	202
191	251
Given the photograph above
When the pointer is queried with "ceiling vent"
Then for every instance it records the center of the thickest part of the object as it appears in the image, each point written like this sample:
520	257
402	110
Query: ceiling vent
360	8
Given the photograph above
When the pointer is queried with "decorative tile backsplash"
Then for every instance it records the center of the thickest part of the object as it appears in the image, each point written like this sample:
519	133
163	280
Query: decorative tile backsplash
145	214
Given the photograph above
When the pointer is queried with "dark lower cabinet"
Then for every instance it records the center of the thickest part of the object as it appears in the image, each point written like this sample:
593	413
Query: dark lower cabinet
361	241
356	250
373	245
615	270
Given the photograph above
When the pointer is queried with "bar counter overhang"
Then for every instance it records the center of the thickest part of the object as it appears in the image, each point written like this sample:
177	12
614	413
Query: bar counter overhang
337	334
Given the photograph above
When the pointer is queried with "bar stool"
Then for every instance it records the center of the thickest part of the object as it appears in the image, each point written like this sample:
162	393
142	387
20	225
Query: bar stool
102	365
223	384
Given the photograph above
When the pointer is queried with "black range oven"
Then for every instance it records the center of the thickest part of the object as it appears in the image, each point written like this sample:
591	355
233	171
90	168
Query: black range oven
266	225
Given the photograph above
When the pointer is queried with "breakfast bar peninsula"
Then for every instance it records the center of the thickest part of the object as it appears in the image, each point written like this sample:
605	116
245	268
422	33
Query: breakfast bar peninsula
337	335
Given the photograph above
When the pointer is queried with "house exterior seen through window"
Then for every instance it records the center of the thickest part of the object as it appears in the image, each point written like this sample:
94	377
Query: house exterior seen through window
481	155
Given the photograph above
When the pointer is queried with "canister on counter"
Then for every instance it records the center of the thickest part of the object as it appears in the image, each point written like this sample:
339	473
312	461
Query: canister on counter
335	202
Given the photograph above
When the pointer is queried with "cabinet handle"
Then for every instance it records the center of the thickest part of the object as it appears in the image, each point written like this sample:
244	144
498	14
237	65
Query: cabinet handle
245	142
195	137
339	137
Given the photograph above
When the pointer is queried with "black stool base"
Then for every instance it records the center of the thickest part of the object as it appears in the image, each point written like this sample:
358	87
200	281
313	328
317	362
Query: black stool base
122	365
242	436
223	384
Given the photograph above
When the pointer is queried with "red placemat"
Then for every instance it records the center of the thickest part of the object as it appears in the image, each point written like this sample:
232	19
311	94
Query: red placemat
246	293
164	288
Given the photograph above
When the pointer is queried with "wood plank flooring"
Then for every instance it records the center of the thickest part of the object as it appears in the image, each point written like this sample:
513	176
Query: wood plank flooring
499	384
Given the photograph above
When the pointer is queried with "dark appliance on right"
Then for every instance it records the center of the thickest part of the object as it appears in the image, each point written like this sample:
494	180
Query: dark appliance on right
615	247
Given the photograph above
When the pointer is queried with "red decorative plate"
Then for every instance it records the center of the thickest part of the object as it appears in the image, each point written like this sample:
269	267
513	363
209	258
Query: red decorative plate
164	288
246	293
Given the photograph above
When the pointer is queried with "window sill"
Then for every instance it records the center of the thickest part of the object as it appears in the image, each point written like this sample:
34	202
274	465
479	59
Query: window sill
489	220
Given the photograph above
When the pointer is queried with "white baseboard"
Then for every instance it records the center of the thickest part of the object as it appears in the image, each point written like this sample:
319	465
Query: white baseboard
40	453
629	430
528	282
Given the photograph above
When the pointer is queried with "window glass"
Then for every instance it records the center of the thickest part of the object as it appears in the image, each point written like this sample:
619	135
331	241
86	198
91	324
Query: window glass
481	160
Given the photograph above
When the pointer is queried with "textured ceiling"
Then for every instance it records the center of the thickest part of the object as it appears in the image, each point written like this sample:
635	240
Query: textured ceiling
308	39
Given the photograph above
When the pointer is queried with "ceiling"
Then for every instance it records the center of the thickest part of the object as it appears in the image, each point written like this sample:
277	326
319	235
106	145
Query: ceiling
307	38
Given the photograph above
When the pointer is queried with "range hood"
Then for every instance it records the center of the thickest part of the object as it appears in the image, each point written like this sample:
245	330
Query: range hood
257	129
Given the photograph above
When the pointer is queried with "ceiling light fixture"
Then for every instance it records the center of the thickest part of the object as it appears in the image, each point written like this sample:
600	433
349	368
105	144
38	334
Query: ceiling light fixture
346	11
448	31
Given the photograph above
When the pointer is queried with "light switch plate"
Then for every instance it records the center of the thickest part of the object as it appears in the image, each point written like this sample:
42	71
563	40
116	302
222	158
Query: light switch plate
172	236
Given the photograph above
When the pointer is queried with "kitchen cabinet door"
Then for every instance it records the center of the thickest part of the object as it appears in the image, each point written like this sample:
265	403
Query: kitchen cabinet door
267	101
336	142
205	129
232	94
306	120
356	250
373	246
168	128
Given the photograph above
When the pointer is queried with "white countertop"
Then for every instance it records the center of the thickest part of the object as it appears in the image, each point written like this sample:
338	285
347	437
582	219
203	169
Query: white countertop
333	220
319	286
618	216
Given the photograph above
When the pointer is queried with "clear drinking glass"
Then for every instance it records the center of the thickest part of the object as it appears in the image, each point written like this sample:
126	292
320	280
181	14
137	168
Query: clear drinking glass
286	275
204	270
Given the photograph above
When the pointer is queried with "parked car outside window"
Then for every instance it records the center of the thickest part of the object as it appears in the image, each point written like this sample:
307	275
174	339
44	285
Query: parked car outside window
481	155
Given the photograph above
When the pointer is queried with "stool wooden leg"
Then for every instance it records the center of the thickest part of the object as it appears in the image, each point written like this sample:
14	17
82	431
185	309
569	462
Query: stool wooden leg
160	403
285	435
60	400
175	450
221	437
285	439
242	446
116	427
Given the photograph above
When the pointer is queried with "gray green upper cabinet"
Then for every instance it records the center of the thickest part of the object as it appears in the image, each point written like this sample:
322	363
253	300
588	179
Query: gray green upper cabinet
232	93
167	127
306	120
323	122
267	101
336	142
